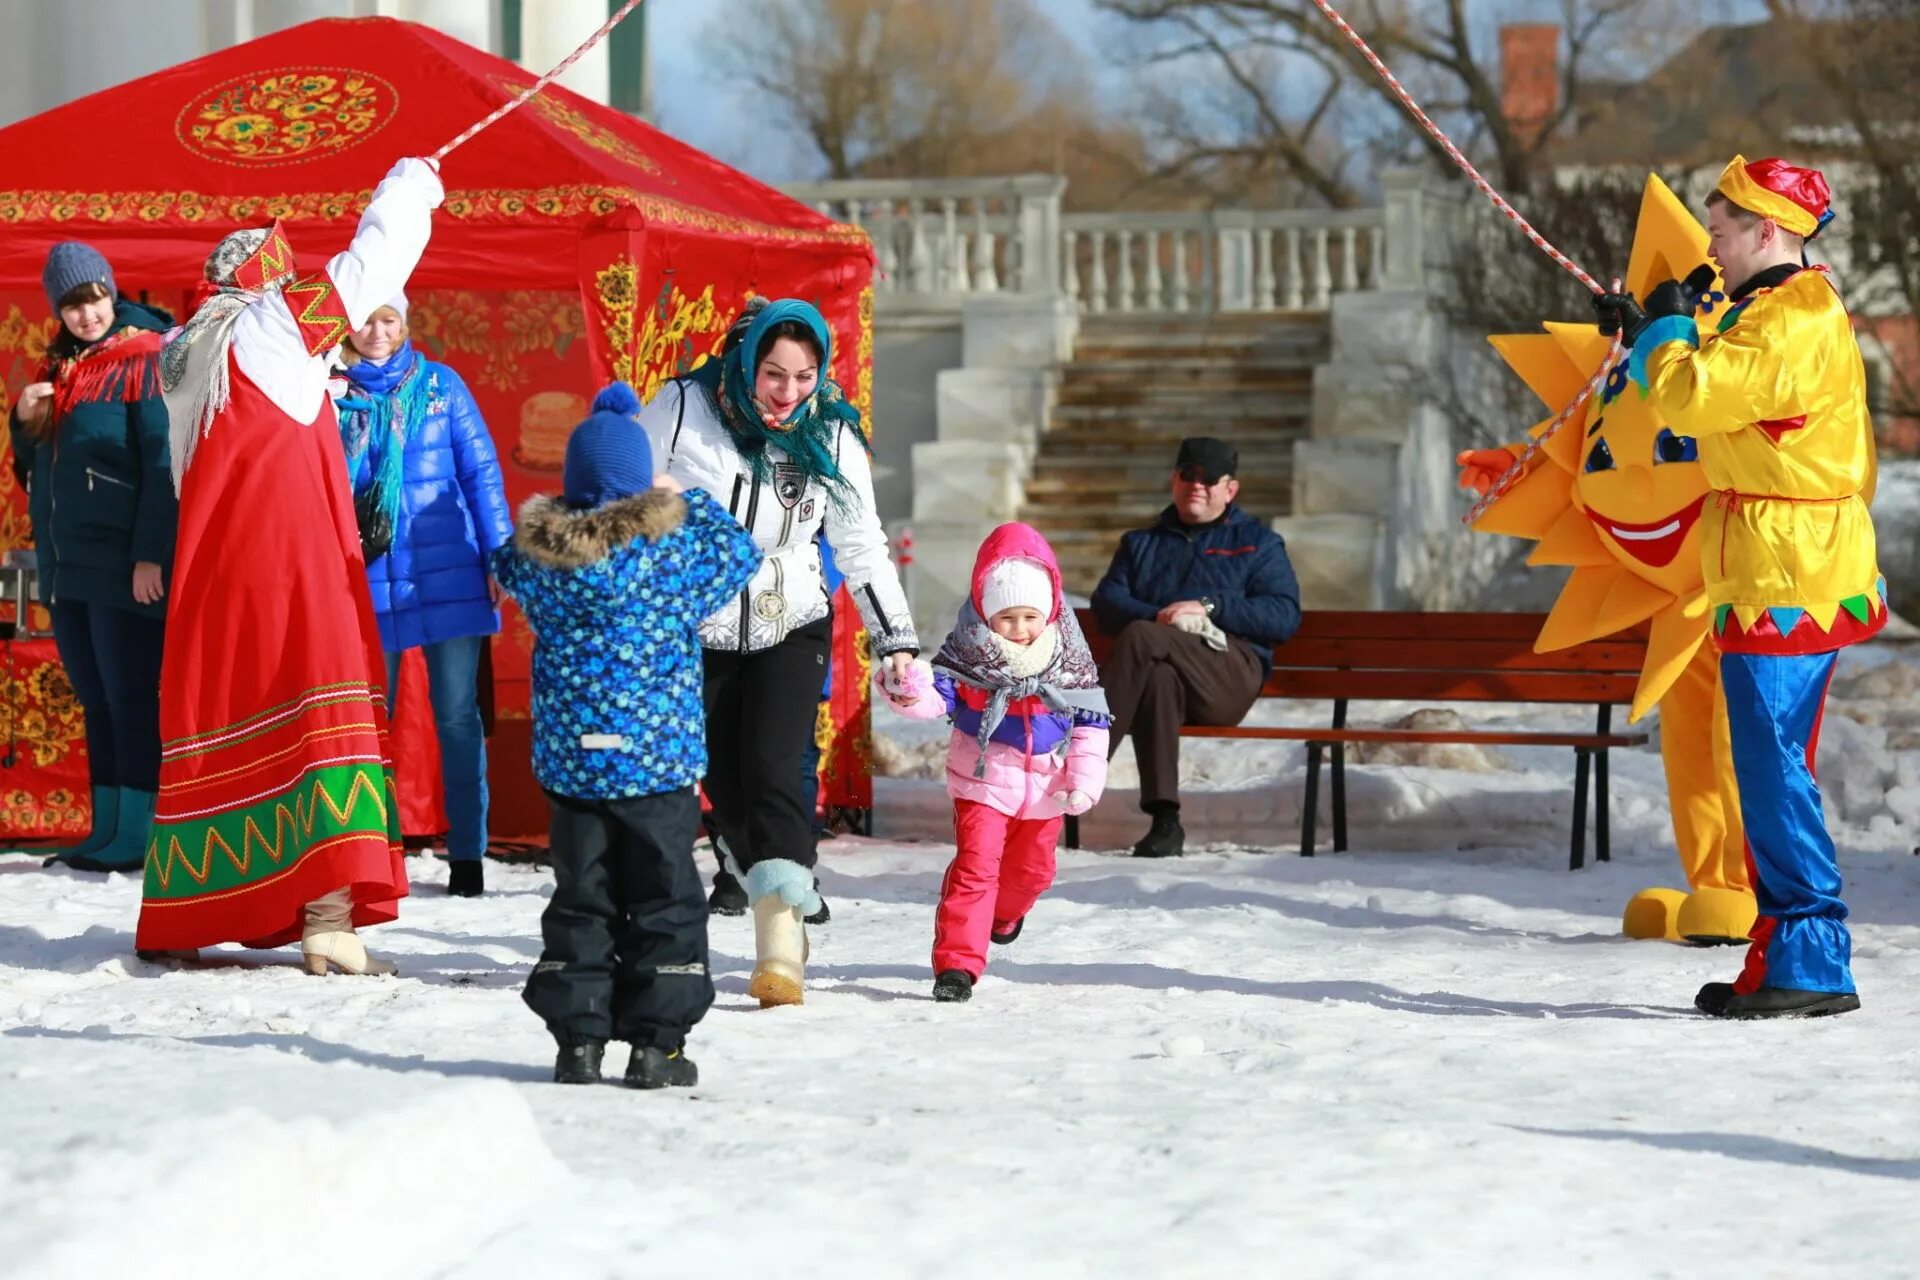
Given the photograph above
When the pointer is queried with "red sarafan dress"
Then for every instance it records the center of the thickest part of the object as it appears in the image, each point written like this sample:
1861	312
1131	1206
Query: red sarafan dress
275	777
276	781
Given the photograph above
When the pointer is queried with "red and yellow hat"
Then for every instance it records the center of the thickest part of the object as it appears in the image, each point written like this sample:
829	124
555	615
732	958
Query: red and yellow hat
1795	198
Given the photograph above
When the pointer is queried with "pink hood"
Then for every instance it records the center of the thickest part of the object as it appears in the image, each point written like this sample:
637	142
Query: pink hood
1016	541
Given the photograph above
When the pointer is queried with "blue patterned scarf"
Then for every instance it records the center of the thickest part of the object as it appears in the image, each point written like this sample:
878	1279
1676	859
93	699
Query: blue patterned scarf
809	432
390	398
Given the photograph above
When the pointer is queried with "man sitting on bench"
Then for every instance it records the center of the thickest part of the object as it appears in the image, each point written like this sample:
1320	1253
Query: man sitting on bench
1196	603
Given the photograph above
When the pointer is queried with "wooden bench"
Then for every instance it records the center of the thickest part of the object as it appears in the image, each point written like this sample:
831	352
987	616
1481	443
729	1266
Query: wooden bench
1345	658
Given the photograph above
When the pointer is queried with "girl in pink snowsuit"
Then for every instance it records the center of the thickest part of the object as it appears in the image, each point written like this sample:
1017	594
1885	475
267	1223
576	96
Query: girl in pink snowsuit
1029	745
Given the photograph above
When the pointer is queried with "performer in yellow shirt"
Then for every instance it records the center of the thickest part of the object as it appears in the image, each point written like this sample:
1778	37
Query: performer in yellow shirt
1776	399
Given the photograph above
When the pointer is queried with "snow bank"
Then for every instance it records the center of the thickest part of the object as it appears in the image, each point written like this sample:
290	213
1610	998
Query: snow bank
255	1189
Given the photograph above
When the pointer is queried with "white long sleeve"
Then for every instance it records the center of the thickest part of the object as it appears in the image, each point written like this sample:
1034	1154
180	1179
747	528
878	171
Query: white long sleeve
861	555
386	247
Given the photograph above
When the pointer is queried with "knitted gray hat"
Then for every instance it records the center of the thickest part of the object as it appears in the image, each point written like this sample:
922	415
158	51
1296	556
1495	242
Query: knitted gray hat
71	264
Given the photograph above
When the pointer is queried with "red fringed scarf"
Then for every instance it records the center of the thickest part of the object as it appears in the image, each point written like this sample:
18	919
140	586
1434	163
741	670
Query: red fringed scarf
124	368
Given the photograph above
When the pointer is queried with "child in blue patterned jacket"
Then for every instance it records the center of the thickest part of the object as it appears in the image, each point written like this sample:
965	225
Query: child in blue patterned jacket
615	576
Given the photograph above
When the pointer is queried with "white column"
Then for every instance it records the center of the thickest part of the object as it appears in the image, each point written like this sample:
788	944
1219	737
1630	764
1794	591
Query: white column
552	29
462	19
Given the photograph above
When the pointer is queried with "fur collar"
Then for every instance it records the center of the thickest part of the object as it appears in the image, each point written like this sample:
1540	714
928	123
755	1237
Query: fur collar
560	537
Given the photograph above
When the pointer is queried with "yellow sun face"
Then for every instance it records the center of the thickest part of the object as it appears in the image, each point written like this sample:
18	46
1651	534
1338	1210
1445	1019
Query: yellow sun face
1615	494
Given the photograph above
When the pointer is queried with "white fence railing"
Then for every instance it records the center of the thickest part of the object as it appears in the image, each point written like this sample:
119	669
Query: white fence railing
940	241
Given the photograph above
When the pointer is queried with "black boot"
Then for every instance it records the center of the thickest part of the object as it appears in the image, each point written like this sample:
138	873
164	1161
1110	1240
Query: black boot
1166	839
1012	932
466	878
727	898
1712	999
1778	1002
579	1062
822	915
655	1068
953	986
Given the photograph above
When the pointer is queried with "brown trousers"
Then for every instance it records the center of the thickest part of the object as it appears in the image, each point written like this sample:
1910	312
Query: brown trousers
1159	678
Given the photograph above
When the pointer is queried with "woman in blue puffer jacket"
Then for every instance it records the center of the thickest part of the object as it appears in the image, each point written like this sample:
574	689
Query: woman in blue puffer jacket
433	509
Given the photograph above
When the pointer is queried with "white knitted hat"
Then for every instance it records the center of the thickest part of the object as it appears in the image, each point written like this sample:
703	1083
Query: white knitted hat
1016	582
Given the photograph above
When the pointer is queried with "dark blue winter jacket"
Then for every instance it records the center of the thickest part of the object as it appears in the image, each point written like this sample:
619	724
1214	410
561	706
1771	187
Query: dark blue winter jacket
100	487
1237	562
615	595
452	515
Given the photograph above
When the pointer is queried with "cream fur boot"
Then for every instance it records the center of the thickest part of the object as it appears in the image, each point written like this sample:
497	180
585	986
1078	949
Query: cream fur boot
782	895
329	940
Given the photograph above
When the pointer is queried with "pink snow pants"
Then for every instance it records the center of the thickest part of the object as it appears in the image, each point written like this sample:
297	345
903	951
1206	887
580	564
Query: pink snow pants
1002	867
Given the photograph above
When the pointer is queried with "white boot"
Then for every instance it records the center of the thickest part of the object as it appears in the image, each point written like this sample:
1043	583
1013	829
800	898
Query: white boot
329	939
780	953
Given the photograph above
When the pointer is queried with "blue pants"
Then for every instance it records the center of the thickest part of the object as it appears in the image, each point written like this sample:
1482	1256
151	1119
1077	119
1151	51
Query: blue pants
453	686
1800	941
112	658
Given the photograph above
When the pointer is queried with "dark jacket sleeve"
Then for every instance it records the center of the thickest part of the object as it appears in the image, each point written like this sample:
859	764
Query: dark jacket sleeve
476	465
1115	602
723	553
1267	608
23	447
156	512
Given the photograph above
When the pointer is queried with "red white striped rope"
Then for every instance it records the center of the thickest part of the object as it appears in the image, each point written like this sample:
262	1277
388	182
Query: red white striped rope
1519	468
508	108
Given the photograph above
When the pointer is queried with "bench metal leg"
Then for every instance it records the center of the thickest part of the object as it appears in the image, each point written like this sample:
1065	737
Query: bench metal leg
1310	806
1581	762
1602	825
1339	798
1072	832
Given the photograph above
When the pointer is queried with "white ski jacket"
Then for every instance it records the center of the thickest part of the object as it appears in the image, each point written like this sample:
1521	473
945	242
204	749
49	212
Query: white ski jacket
692	445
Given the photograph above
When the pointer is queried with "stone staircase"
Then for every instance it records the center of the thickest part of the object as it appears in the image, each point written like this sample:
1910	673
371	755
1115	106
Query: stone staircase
1135	387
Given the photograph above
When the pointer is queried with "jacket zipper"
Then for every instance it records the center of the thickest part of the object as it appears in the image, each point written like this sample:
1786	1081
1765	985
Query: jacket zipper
746	593
51	587
104	478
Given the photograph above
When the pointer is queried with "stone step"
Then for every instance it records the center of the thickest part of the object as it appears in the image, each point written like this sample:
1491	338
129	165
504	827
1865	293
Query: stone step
1185	370
1276	411
1164	398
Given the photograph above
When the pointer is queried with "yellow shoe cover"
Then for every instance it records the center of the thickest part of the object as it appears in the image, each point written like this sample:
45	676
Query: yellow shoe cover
1653	913
1711	916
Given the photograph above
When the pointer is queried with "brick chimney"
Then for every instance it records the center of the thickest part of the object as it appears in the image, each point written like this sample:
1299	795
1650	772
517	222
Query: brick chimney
1529	76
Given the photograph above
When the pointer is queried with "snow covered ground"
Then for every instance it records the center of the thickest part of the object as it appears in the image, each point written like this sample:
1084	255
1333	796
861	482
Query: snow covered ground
1432	1056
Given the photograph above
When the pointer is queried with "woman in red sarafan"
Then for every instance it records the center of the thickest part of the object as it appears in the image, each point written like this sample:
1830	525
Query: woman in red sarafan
276	813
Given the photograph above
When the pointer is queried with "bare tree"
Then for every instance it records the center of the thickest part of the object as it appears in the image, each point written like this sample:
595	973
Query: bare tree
900	86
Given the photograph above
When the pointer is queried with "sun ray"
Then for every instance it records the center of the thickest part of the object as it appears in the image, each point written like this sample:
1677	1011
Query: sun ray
1572	540
1543	365
1530	508
1676	636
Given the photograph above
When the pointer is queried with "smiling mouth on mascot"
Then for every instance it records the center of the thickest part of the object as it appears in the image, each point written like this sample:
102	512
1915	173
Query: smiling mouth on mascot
1654	544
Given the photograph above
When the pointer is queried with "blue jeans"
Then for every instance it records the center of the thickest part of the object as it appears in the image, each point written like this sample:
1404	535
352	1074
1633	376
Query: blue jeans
453	686
112	659
1774	706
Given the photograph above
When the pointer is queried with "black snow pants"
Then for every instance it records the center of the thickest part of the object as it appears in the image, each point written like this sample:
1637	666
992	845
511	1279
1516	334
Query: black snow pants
625	955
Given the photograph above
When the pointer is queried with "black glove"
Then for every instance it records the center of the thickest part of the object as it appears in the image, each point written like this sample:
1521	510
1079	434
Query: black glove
1619	312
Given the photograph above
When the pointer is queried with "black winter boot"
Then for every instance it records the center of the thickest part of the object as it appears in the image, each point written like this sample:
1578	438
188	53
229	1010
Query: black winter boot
1166	839
953	986
1012	932
654	1068
579	1062
466	878
727	898
1778	1002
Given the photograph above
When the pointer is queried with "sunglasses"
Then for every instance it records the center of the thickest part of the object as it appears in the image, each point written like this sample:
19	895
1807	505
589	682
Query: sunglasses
1198	475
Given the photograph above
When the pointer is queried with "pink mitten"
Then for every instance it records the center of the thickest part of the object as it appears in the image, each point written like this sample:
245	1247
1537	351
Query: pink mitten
1074	802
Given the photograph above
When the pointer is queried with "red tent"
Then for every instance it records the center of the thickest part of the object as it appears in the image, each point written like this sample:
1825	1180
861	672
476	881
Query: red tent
566	221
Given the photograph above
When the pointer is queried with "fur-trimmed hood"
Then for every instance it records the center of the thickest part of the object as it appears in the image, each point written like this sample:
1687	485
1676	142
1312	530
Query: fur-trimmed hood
557	536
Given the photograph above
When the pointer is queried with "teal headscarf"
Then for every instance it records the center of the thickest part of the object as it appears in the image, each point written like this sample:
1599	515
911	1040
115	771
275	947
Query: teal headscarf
809	432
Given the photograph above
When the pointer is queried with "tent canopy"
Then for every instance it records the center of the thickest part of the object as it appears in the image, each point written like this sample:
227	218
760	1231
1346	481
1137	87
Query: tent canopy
301	124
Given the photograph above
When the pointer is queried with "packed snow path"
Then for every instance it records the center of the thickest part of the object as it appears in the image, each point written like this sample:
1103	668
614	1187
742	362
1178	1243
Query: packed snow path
1386	1064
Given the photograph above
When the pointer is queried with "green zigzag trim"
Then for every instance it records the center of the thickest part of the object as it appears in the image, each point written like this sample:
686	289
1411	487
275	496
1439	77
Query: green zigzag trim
1720	615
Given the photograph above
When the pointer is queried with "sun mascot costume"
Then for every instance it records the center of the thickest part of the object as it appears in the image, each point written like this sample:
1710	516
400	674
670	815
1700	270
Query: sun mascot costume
1617	495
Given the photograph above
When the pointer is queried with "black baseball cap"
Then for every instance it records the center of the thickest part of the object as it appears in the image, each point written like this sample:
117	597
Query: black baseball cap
1210	457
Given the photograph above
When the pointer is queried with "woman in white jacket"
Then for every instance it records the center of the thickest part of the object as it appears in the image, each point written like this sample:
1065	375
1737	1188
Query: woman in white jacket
766	431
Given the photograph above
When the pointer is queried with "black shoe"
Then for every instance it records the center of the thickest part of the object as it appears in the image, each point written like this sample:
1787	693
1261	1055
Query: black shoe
727	898
1712	999
822	915
1166	839
466	878
653	1068
1778	1002
579	1063
953	986
1013	931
